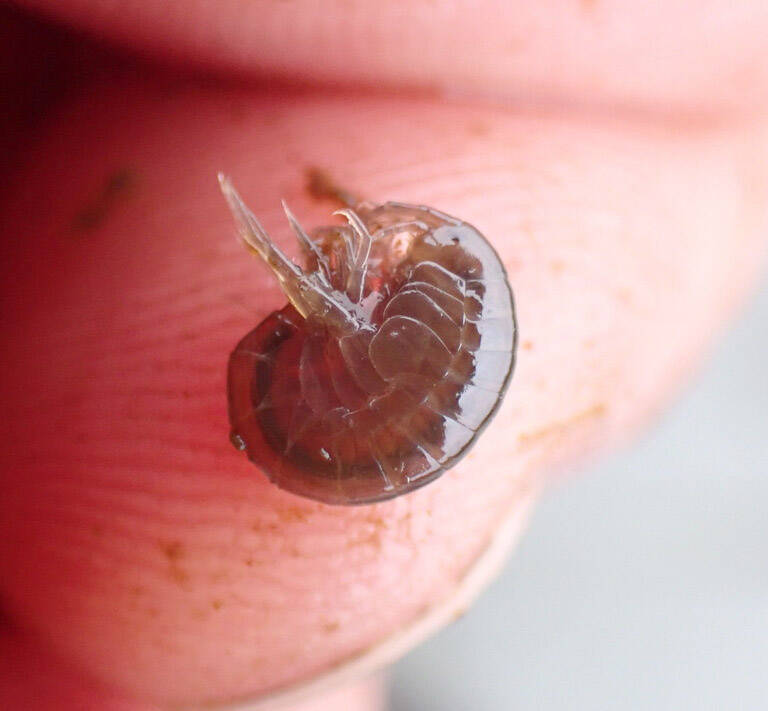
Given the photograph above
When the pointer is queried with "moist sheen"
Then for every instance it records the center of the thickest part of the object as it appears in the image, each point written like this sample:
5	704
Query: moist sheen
392	355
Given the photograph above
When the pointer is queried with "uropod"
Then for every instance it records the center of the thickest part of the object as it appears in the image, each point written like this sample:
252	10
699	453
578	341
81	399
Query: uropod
393	353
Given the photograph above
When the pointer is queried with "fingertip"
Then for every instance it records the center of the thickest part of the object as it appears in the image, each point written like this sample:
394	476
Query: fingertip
137	541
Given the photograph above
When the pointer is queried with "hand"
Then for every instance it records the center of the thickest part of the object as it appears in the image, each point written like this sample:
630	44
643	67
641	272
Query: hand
136	545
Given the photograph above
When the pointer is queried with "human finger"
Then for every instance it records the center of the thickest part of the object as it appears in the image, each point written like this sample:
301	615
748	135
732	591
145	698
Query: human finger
138	543
673	55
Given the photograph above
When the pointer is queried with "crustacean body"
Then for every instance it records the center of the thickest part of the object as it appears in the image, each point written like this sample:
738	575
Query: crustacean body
394	352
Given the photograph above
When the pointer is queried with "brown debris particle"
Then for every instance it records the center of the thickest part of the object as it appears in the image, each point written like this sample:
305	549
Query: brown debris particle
174	552
117	186
321	186
377	522
371	539
261	526
557	428
293	514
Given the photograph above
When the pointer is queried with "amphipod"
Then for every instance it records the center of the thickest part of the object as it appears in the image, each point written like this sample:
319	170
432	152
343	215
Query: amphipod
392	355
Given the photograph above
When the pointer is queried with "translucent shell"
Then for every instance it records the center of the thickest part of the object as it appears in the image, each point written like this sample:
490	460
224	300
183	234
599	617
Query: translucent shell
393	354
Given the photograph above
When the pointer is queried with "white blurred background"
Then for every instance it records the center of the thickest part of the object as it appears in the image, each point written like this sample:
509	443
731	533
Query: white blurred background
641	584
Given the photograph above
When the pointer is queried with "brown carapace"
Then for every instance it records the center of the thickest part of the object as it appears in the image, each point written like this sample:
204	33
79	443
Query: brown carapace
393	353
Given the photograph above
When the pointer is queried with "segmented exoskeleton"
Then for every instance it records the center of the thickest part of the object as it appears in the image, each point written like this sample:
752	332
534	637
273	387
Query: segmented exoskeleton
392	355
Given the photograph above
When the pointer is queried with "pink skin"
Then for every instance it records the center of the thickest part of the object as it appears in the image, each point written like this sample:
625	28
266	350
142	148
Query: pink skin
33	680
665	54
136	542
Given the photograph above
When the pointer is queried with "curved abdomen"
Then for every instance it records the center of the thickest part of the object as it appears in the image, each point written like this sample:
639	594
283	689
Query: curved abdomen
379	412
